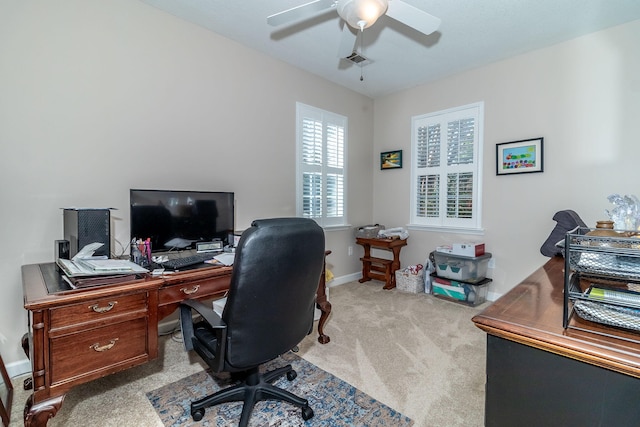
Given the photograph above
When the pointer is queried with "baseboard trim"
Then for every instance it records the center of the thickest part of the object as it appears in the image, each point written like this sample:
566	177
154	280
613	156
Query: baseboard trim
337	281
341	280
21	367
492	296
167	326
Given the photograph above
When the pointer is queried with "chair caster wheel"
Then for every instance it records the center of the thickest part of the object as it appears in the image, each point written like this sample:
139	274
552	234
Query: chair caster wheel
307	413
292	375
197	415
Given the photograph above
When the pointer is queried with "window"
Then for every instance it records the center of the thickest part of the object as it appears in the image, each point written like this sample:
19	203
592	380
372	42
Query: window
321	140
446	168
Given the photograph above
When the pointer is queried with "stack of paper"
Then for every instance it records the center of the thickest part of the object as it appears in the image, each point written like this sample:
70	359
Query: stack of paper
225	258
97	267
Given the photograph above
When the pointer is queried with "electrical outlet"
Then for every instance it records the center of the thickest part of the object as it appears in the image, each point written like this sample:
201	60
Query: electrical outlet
492	263
350	250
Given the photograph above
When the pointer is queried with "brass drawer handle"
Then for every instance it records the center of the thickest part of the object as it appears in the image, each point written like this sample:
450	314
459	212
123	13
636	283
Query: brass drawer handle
191	291
98	347
98	309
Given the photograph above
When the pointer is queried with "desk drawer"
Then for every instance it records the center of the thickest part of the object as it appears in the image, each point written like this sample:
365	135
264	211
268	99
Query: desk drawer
193	290
97	310
101	349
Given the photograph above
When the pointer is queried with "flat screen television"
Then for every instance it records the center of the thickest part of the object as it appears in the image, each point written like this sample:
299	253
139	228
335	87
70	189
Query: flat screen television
177	220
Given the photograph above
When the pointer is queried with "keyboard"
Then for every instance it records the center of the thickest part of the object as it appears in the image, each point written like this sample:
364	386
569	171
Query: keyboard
187	261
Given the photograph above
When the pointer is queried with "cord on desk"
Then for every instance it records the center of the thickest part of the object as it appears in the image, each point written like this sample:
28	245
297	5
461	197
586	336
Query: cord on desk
176	335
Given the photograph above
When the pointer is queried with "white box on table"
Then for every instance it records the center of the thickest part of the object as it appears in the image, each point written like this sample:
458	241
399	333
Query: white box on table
468	249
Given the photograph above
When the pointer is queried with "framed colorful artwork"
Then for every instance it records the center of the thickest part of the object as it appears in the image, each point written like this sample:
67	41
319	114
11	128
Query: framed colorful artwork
391	160
524	156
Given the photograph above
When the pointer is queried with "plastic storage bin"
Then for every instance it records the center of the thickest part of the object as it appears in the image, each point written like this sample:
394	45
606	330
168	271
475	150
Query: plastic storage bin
463	268
472	294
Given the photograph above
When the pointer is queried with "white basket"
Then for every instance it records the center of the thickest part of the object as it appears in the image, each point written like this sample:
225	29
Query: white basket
407	282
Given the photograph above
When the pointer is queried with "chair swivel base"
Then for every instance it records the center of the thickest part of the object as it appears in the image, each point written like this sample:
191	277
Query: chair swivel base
252	388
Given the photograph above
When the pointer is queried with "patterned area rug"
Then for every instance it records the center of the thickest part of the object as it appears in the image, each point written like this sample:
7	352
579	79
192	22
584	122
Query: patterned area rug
335	403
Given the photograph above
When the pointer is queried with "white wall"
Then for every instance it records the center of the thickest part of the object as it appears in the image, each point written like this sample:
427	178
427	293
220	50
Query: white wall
98	97
582	96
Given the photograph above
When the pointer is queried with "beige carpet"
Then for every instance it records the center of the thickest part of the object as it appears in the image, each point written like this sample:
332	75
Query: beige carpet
415	353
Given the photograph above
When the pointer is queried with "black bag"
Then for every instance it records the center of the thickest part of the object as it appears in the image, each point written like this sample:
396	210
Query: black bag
567	221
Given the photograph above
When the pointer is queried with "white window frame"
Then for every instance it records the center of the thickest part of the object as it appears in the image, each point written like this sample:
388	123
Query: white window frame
442	222
323	170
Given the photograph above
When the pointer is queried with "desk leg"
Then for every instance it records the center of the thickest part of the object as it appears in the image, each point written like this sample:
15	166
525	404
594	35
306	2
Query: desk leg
325	308
39	414
323	303
366	265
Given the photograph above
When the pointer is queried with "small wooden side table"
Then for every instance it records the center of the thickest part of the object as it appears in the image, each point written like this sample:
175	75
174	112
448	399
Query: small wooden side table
381	268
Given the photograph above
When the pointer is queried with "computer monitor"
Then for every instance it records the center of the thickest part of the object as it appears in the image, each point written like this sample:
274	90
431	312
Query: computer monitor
176	220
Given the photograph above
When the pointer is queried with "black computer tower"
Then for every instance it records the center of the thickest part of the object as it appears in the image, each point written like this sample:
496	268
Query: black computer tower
84	226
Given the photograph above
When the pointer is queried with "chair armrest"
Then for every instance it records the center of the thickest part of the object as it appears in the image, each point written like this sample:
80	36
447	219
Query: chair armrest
186	320
206	311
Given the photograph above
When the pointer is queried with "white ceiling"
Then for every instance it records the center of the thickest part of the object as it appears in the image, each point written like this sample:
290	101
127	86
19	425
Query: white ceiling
472	33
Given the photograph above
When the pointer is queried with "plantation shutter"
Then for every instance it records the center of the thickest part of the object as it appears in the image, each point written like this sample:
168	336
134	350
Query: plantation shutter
446	168
321	165
312	168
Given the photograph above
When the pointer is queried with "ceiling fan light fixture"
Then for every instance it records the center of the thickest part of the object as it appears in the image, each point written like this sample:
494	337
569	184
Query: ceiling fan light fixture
361	14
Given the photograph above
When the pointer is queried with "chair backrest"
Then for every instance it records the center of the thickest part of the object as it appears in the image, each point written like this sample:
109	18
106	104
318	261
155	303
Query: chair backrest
271	299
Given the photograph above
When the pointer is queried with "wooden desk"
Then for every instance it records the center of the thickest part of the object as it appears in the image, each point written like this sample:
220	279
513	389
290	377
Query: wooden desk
78	335
381	268
538	373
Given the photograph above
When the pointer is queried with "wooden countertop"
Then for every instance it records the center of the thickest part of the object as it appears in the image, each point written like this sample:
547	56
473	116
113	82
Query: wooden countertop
531	314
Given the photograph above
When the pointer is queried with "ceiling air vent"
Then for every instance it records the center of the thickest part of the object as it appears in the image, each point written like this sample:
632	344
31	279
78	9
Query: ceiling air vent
357	59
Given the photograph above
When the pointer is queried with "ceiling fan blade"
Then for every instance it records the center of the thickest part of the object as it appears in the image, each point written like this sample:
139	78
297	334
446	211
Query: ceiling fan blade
413	17
300	12
347	42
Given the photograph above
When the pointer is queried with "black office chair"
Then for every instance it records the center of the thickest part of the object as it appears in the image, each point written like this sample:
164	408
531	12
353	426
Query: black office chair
269	310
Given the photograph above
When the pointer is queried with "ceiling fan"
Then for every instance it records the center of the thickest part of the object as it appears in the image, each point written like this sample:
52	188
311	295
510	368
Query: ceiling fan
359	14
